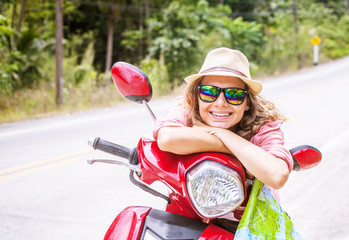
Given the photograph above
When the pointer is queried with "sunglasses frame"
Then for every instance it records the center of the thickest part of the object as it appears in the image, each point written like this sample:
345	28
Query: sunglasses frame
224	93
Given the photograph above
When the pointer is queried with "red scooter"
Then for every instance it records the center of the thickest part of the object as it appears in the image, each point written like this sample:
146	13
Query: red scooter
203	186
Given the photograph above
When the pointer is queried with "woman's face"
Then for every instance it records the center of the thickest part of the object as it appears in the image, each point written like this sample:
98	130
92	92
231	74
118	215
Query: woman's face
220	113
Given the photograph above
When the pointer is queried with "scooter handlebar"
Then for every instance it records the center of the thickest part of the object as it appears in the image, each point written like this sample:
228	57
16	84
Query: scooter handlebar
108	147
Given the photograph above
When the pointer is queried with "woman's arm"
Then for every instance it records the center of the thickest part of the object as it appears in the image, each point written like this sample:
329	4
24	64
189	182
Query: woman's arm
263	165
187	140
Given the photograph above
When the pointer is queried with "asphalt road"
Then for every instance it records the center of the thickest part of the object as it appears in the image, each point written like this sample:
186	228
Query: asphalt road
47	191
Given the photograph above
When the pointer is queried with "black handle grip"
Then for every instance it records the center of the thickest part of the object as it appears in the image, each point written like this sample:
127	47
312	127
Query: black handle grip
109	147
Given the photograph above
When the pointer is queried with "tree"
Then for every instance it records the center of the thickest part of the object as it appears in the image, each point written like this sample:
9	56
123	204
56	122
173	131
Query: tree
21	15
59	52
111	19
296	30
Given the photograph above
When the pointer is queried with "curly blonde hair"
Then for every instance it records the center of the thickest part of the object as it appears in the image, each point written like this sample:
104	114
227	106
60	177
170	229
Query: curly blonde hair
260	111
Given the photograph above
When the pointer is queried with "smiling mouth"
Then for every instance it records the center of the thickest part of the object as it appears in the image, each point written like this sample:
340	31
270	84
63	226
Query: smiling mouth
221	115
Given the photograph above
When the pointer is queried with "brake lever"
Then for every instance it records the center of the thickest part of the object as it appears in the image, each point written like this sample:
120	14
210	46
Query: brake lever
135	168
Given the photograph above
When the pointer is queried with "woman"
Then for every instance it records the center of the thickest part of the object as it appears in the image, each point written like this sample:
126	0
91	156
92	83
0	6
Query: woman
222	112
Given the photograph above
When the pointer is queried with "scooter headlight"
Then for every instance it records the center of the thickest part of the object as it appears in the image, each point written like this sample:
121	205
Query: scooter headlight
214	189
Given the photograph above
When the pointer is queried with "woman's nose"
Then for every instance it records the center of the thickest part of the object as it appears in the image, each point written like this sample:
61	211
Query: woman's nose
221	100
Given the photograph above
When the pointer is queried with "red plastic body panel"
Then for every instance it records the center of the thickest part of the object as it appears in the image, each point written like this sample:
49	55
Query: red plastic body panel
128	225
171	169
212	232
131	81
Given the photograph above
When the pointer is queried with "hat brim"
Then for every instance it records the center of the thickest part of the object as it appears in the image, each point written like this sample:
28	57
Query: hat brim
254	85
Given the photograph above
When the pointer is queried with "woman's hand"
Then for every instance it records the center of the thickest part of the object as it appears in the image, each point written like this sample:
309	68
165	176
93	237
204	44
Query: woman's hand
214	131
208	129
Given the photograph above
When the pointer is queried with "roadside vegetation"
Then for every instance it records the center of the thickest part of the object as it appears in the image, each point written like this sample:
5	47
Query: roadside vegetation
166	39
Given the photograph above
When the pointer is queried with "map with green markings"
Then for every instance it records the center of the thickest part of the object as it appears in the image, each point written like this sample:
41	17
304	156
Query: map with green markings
264	218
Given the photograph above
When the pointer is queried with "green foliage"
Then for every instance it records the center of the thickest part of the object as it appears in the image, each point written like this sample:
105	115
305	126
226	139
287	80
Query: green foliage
248	37
176	36
5	67
5	29
23	56
335	35
132	38
184	33
285	50
5	78
170	44
157	72
279	51
78	69
330	24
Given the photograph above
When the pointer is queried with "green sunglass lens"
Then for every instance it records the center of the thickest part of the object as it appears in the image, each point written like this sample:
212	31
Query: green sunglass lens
235	96
208	93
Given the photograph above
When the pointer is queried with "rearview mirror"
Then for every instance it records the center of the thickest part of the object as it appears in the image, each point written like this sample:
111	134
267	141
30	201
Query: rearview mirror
132	82
305	157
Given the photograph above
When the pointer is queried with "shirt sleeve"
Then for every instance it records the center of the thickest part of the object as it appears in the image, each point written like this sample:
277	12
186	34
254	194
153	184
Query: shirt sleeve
271	139
176	117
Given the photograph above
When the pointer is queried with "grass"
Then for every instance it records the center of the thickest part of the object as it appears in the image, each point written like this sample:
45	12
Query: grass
39	102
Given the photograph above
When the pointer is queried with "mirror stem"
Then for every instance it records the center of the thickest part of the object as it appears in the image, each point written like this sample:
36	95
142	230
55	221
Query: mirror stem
150	111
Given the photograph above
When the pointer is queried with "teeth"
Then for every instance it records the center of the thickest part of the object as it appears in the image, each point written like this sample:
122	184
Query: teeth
221	114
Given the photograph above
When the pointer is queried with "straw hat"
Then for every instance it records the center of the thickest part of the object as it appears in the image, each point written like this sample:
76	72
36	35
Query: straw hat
227	62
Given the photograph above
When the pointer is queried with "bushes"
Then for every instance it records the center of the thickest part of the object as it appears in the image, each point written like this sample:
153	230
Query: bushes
180	37
6	68
157	72
336	34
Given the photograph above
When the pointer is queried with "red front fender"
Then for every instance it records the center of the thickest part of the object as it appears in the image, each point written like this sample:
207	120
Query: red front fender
128	225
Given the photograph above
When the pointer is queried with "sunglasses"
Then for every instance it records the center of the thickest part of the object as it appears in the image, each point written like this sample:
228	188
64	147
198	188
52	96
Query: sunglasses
234	96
